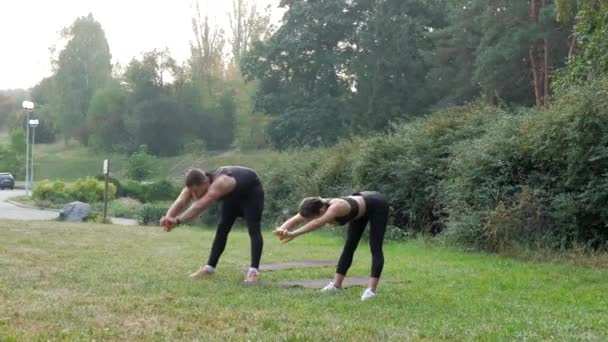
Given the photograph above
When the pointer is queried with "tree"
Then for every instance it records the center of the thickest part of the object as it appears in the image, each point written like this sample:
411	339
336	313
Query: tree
590	59
45	95
10	106
363	58
521	46
247	26
207	61
106	119
82	67
141	164
12	155
452	57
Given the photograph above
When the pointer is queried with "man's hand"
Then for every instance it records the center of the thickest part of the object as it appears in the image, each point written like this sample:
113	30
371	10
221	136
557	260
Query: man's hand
168	223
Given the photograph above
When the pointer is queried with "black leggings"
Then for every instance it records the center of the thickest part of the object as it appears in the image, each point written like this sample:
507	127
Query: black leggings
376	213
250	208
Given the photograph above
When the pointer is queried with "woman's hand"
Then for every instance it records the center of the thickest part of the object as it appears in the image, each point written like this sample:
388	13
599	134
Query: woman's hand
288	237
280	232
284	235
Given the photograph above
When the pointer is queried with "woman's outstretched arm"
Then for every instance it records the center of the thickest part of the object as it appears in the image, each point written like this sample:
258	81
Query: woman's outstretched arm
292	222
329	216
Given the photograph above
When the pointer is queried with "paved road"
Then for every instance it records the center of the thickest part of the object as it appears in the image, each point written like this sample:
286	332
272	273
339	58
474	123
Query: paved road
13	212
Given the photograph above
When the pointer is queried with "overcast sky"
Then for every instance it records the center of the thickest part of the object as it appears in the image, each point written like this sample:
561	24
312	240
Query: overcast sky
29	27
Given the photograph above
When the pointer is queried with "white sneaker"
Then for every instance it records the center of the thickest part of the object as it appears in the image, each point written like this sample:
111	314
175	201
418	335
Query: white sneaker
368	294
330	288
252	276
203	271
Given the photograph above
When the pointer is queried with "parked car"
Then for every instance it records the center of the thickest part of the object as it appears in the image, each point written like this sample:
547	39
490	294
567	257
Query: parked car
7	181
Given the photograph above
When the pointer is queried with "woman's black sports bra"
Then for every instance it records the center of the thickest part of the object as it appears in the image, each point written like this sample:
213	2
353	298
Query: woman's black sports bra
354	211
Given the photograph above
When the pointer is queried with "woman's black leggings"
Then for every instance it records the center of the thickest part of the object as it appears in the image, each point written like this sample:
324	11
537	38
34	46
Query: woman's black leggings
250	208
376	213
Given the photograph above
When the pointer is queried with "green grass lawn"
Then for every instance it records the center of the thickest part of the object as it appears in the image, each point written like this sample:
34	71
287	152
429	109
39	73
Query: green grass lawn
85	281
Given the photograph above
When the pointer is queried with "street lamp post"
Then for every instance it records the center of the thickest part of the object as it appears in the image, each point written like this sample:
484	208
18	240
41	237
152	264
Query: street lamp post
28	107
33	123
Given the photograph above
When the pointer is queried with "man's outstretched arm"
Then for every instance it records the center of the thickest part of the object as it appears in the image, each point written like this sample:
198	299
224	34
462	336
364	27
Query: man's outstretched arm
179	204
216	191
198	206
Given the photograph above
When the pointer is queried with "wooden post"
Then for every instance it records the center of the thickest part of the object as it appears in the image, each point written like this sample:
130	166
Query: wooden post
106	171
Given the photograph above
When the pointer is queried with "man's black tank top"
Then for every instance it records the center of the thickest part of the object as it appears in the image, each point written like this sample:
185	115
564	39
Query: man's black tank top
246	179
354	211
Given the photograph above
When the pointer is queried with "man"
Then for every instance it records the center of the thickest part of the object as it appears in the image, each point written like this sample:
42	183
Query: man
241	192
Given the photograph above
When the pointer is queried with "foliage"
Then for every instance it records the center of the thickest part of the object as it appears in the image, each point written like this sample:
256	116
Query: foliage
82	67
117	184
161	191
141	165
12	155
545	188
152	191
106	119
53	191
479	175
135	190
324	74
151	214
591	32
124	207
409	165
91	190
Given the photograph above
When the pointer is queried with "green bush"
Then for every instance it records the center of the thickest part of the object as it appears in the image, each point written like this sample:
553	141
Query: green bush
91	190
141	165
125	207
120	192
134	190
537	180
160	191
409	165
151	192
481	175
55	192
151	214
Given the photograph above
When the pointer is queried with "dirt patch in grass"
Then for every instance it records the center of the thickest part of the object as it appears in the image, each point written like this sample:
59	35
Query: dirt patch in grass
320	283
294	264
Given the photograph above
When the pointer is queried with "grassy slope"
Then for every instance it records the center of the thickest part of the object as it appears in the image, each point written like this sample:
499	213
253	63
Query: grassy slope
69	163
71	281
59	162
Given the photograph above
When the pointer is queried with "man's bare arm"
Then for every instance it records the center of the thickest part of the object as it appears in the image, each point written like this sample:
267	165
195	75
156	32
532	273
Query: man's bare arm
180	203
217	190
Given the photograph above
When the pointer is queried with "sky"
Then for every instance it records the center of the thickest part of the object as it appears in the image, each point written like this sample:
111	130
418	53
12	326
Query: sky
28	28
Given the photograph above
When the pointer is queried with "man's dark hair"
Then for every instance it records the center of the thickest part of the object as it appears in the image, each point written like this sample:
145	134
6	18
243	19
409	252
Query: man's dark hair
195	177
311	206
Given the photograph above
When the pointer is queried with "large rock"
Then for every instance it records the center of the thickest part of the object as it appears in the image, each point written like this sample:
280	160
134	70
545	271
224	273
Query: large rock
75	212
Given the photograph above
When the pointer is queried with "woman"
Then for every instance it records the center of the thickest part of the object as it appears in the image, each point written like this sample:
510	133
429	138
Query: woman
356	210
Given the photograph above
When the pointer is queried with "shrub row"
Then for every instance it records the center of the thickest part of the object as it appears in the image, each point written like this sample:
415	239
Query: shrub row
150	192
87	190
91	190
478	175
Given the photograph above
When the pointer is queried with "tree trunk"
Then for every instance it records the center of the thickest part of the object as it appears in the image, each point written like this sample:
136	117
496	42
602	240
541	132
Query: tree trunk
546	74
539	59
536	74
572	45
